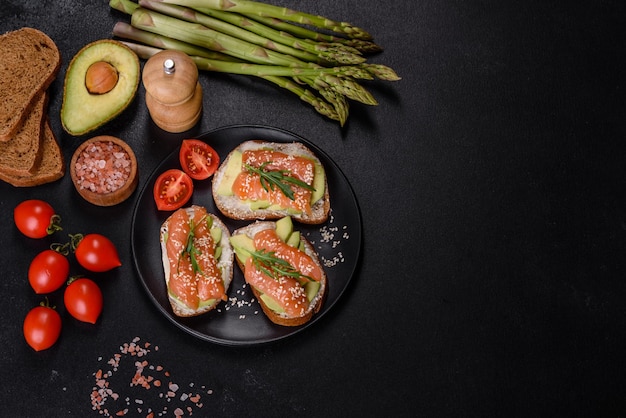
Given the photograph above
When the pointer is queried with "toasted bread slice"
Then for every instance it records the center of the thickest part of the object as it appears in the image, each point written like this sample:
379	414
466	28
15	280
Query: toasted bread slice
224	264
20	156
232	207
30	62
50	168
315	304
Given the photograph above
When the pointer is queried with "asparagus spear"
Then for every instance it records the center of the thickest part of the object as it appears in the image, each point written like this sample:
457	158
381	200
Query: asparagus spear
307	96
190	15
284	13
382	72
126	31
337	51
333	53
361	45
338	101
200	35
345	86
124	6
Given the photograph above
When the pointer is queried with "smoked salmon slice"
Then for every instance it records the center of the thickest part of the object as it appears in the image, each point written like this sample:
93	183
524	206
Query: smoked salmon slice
286	290
192	281
210	284
248	186
269	241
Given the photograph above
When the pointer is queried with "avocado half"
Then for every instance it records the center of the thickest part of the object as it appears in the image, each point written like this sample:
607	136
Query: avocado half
83	111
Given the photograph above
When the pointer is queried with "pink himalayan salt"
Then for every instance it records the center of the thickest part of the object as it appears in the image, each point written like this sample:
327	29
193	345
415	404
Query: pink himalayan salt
103	167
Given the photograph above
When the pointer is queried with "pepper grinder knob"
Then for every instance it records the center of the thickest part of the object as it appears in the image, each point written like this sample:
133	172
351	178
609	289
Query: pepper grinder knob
169	66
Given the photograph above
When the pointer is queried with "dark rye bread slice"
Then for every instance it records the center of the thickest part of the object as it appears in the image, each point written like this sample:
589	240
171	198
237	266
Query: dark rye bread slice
21	155
29	62
51	167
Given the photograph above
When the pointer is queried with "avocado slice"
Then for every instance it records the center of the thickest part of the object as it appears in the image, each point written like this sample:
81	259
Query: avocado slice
216	234
231	171
243	246
284	228
271	303
319	183
294	239
85	107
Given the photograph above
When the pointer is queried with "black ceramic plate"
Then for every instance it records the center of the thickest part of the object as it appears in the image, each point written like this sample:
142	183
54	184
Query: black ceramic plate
240	320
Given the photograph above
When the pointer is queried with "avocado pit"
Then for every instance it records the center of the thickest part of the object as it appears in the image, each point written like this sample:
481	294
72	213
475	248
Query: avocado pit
101	77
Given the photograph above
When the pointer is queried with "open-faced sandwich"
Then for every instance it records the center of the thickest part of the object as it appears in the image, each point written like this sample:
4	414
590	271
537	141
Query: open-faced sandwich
283	270
269	180
197	260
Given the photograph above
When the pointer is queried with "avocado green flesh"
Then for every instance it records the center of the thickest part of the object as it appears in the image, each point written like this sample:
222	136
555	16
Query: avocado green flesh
216	234
81	111
231	171
243	246
319	183
202	303
257	204
294	239
284	228
311	288
271	303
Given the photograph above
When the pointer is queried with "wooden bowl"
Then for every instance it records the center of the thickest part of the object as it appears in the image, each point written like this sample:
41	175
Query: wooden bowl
104	170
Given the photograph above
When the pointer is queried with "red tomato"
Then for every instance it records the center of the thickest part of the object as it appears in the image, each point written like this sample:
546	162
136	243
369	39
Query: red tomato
83	300
172	189
198	159
48	271
36	218
96	253
42	327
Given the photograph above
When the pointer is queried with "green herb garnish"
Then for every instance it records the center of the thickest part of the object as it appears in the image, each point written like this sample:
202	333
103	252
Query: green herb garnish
270	179
190	248
268	263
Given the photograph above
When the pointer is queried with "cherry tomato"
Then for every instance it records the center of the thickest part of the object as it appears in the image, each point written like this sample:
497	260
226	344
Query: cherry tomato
48	271
198	159
172	189
83	300
36	218
42	327
96	252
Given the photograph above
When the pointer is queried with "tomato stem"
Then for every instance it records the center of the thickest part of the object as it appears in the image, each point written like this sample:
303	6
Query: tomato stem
65	249
75	239
55	224
60	248
73	279
46	303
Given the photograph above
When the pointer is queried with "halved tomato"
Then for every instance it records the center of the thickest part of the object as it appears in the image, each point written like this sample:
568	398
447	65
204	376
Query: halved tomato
198	159
172	189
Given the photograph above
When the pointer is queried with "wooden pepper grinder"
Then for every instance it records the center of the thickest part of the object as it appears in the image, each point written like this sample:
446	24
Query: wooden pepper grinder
173	93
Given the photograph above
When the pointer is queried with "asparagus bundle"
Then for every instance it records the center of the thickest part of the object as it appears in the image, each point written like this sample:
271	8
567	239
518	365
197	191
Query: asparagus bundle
258	39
